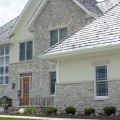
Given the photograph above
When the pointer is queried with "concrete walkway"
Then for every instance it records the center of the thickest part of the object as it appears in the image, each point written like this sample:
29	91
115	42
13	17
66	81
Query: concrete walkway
43	118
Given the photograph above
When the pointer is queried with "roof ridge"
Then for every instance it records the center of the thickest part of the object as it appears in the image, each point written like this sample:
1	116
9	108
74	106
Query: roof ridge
80	29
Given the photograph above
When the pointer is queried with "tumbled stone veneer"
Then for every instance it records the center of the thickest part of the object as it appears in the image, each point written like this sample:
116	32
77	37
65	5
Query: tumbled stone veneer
81	95
56	14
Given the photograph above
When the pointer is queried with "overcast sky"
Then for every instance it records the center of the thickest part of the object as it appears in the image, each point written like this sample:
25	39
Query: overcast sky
10	9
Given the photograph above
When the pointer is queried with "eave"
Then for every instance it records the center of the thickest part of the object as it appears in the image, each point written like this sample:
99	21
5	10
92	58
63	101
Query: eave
91	51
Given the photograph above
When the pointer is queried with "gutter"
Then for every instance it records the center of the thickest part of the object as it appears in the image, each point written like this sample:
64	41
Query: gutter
80	51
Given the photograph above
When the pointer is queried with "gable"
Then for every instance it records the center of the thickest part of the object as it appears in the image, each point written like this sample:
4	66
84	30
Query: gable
88	7
53	17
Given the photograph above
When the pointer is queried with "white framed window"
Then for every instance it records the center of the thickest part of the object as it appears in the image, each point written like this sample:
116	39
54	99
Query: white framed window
4	65
57	35
101	82
26	51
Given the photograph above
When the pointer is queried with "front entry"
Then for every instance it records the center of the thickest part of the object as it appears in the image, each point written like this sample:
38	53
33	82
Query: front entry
26	92
25	84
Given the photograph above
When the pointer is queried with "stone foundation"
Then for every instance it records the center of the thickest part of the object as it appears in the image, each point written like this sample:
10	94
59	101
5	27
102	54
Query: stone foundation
81	95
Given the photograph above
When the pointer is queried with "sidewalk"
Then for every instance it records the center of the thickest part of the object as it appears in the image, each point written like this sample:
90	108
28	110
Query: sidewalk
43	118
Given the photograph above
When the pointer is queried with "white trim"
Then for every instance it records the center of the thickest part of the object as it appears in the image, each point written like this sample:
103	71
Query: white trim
83	51
101	98
36	14
58	72
21	15
6	42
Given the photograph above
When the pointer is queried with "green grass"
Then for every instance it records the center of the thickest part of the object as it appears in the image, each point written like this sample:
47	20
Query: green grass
1	118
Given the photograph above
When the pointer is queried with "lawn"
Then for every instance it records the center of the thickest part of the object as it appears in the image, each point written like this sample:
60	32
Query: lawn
1	118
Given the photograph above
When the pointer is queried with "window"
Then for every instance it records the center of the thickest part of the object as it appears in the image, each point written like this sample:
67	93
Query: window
52	84
26	51
4	65
57	35
101	81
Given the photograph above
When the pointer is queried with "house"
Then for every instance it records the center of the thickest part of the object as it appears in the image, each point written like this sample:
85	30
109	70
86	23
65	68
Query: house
88	64
41	25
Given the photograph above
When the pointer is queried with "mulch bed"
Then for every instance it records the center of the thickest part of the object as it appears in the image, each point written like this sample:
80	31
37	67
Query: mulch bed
79	116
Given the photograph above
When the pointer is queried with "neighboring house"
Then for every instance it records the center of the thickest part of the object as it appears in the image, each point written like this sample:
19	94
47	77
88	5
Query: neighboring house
88	64
41	25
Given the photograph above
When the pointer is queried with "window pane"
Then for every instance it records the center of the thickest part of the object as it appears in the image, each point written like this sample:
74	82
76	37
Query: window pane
1	70
1	79
1	60
27	88
1	51
53	80
6	79
53	37
29	55
29	46
29	50
53	76
63	33
6	70
22	56
101	73
22	51
102	88
7	50
6	60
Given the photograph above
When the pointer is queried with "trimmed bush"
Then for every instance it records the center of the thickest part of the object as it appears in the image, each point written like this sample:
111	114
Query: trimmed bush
89	111
29	110
70	110
51	110
109	110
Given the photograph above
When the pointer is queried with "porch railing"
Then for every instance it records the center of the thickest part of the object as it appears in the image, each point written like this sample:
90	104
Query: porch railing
41	102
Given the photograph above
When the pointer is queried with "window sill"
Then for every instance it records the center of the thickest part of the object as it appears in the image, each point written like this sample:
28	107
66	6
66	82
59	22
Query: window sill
2	85
101	98
52	95
25	61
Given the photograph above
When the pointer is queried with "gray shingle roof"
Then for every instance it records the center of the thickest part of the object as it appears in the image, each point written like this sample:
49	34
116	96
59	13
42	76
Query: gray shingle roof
107	4
91	5
5	29
103	31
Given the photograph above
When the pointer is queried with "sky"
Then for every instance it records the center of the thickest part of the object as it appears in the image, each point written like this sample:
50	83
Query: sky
9	9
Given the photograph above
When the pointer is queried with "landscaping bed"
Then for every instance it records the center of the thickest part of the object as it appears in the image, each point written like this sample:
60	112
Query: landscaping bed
63	115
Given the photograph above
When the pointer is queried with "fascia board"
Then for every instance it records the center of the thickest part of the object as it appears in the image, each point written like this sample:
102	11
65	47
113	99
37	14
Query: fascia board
80	52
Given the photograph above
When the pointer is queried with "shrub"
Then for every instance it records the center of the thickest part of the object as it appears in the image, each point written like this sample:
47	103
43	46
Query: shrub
109	110
70	110
89	111
25	110
29	110
51	110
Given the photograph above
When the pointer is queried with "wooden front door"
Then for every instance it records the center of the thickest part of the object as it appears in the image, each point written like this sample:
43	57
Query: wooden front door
25	90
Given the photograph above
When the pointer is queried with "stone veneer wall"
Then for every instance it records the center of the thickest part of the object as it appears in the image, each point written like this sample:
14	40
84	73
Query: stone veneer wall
81	95
56	14
14	76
